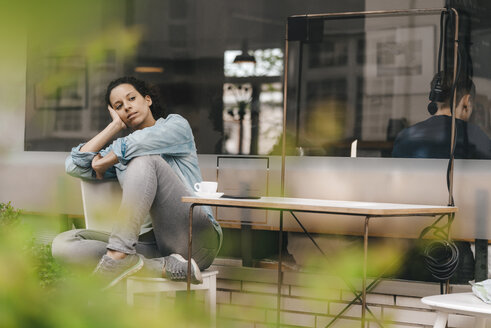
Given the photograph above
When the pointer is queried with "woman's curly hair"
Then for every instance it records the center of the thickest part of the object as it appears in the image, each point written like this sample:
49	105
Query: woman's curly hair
143	88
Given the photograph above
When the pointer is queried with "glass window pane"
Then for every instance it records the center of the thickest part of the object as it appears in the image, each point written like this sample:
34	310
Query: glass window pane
363	79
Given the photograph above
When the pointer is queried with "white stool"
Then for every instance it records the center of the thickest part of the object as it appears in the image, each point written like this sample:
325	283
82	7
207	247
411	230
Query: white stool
156	285
459	303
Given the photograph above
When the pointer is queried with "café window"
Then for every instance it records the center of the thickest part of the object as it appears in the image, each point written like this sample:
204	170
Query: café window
363	81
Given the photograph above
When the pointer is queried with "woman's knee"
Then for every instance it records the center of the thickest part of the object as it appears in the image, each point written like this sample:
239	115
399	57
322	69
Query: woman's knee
62	243
79	247
143	165
147	167
143	162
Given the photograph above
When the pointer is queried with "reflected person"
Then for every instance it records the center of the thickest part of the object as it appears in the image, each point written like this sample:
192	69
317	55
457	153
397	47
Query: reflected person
431	138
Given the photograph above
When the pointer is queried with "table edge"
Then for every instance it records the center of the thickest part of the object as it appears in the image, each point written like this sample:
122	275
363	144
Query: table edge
265	204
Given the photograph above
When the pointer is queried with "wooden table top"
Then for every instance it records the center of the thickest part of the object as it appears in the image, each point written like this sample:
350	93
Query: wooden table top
325	206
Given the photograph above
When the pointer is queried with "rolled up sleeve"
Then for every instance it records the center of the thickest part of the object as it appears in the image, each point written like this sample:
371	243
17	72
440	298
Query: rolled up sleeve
82	159
79	164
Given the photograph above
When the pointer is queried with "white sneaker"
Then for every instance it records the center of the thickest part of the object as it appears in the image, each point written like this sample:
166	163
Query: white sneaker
176	268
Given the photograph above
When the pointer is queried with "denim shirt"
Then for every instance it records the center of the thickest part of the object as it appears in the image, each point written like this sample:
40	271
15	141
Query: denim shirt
171	138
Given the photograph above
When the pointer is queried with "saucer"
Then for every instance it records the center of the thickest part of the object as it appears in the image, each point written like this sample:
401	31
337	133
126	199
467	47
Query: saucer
209	195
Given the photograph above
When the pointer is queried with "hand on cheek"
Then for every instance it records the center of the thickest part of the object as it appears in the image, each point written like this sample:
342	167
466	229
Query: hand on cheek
116	118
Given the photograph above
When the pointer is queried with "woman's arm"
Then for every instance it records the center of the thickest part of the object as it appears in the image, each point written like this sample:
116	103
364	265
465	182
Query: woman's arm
89	160
172	136
96	143
101	164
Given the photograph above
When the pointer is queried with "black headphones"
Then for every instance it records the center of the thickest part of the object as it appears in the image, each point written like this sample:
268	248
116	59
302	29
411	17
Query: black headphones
437	94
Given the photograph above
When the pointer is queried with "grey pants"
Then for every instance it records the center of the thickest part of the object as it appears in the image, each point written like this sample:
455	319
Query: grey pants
150	186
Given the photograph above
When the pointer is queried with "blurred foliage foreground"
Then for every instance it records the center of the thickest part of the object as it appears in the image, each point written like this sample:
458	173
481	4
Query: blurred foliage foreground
35	290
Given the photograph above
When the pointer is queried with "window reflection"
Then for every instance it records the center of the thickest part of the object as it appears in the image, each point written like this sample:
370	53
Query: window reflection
369	85
248	131
181	48
253	111
366	79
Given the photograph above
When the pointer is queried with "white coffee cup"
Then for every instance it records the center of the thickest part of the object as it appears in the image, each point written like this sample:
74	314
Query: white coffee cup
206	187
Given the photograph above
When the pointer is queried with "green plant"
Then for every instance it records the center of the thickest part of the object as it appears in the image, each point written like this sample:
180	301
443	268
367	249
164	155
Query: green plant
48	270
9	216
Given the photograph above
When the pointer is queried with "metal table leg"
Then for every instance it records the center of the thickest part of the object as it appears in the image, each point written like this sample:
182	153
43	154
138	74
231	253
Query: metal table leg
364	281
190	247
280	274
351	287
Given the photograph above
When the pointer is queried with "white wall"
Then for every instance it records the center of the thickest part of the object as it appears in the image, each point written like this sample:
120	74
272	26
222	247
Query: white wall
33	181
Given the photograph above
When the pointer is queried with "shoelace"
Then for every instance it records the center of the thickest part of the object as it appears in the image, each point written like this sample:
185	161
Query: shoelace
103	268
106	266
175	271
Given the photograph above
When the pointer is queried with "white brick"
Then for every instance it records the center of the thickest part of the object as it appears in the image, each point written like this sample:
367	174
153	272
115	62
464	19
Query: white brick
394	325
269	325
228	284
409	316
326	294
266	325
258	287
460	288
314	280
303	305
223	297
376	311
347	295
461	321
406	288
291	318
339	323
228	323
414	302
256	300
241	313
353	311
371	298
380	299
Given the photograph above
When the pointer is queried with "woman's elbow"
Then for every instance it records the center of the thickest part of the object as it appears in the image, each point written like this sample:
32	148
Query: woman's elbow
76	171
69	166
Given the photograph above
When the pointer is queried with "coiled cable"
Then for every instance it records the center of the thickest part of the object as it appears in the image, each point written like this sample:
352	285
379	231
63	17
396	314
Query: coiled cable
441	258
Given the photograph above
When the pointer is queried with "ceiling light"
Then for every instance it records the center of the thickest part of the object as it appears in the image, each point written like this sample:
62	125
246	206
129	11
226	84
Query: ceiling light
244	57
149	69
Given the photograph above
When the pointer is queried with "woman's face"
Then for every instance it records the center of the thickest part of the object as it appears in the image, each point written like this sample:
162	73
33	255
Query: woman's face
131	106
